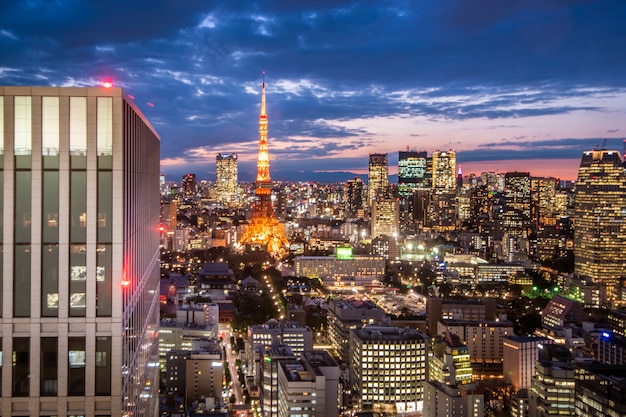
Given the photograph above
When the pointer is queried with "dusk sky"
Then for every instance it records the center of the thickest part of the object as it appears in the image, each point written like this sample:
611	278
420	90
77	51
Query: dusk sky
523	85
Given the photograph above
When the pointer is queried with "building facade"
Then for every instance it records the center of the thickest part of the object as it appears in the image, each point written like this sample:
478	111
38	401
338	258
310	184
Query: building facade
80	245
378	176
552	390
599	220
519	357
388	368
411	172
385	213
226	175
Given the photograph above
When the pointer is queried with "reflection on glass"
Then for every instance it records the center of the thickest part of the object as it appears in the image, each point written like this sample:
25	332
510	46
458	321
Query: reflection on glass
78	273
103	281
52	300
76	366
78	277
76	358
22	141
77	300
100	274
49	126
78	125
50	280
105	126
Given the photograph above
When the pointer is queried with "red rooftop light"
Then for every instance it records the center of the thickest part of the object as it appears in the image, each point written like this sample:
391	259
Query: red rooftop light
107	84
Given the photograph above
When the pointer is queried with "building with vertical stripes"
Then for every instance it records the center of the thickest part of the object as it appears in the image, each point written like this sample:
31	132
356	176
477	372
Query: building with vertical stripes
79	247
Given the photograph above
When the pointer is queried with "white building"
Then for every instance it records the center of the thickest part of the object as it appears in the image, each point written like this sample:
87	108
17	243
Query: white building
388	368
79	193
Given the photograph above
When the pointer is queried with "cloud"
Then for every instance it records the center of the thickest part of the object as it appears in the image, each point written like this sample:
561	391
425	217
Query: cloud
344	77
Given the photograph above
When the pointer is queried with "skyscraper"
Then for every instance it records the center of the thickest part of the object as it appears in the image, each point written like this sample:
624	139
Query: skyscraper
412	168
444	170
264	230
516	220
385	213
600	220
354	196
443	202
189	185
80	253
378	176
226	177
411	172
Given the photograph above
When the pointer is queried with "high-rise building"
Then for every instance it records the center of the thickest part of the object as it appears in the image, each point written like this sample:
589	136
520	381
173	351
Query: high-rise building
385	213
516	219
189	185
264	230
411	172
443	200
354	197
226	177
412	168
444	170
388	368
600	220
378	176
80	279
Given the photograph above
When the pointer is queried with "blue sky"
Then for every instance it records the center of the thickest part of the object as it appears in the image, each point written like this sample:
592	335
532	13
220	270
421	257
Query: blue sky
510	85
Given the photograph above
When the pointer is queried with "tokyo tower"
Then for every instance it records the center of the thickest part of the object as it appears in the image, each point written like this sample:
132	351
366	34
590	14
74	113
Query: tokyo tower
264	230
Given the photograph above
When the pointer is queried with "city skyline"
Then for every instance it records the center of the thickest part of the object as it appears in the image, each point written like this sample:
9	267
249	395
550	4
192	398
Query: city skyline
520	86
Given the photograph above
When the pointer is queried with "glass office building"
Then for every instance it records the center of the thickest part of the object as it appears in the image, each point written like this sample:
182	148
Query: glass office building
79	244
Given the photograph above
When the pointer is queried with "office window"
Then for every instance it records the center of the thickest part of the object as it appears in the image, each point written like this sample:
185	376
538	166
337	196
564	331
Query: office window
21	281
21	367
78	206
48	366
103	365
105	206
78	132
76	360
104	130
49	280
50	206
22	142
103	281
50	132
78	278
22	206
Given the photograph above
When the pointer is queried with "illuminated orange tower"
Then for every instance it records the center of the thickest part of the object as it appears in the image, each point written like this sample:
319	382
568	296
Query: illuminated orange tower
264	230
